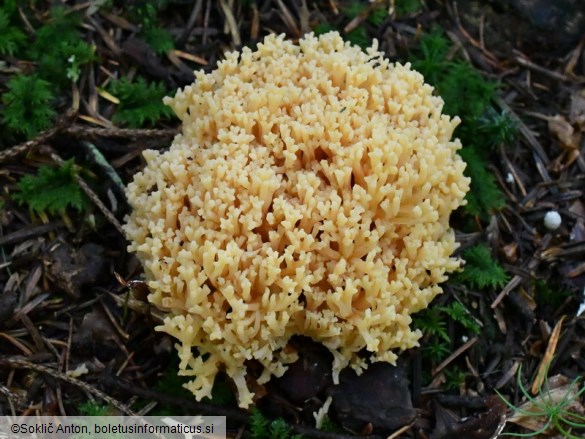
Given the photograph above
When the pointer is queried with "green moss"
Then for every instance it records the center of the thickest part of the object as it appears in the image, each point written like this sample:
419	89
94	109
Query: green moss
159	39
485	196
323	28
140	102
11	37
359	37
454	377
59	47
90	408
432	321
406	7
458	313
262	428
27	105
52	190
481	270
549	296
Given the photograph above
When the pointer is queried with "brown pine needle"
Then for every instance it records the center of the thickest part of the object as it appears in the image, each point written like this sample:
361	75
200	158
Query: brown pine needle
547	358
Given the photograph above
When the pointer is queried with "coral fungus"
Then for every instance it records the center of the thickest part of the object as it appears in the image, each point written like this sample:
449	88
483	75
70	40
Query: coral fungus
309	193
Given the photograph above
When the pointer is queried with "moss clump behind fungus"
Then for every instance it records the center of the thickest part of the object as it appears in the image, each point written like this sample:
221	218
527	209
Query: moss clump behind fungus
309	193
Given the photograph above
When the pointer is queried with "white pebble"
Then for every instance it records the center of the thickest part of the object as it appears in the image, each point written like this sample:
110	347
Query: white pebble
552	220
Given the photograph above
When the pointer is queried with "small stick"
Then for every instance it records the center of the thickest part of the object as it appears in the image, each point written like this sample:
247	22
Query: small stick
127	133
16	362
455	354
42	138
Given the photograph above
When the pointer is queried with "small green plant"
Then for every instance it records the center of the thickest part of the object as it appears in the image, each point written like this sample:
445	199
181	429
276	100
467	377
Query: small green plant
459	314
359	37
498	127
454	377
159	39
90	408
354	9
433	324
330	426
436	350
378	16
59	47
405	7
52	190
11	37
77	55
147	14
323	28
549	296
28	105
481	270
140	102
465	92
432	321
554	412
262	428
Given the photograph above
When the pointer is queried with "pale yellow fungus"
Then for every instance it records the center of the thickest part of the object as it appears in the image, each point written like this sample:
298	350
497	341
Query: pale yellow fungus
308	194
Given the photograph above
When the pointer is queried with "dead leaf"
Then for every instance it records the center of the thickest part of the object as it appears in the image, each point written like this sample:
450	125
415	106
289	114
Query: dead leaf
511	252
547	358
564	131
577	111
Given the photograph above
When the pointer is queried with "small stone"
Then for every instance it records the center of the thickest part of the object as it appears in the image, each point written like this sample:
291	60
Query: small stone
379	396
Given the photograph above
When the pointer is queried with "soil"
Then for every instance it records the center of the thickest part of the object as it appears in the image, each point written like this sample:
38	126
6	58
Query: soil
71	296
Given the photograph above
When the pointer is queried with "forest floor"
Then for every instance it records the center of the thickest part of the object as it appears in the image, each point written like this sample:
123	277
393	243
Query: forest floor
76	331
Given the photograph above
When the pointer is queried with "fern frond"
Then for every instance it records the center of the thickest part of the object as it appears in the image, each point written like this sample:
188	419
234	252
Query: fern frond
140	102
481	270
27	105
52	190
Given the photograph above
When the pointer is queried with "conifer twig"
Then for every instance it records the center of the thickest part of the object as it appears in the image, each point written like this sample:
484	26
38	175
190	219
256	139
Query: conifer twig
17	362
42	138
127	133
